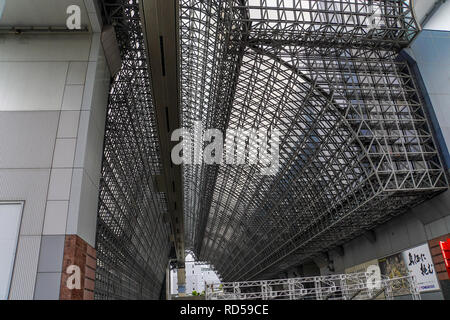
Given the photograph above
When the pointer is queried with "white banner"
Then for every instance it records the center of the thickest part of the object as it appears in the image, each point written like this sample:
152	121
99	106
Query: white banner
420	264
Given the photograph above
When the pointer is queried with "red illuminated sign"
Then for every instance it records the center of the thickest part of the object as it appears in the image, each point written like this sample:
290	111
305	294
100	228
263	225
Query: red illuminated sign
445	248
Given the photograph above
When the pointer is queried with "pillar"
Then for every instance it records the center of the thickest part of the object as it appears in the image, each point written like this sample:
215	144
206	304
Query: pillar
54	92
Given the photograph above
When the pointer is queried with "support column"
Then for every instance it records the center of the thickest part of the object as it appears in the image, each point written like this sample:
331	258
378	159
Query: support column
54	89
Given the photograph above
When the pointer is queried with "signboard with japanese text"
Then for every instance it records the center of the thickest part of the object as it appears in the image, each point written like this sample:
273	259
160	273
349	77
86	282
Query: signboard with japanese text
417	262
420	264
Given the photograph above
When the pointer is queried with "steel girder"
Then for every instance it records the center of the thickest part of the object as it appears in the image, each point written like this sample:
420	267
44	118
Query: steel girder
356	145
132	237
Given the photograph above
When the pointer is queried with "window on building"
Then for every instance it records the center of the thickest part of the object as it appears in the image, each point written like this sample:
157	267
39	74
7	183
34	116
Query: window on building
10	216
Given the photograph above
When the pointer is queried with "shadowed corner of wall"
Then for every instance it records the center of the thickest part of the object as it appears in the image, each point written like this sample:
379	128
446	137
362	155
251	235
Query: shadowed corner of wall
429	109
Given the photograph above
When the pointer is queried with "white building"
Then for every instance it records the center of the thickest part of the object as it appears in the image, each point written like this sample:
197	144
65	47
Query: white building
196	276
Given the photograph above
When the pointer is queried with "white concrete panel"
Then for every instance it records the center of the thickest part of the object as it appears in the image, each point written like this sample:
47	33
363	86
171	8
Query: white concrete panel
96	22
90	6
398	233
447	222
92	119
87	220
48	285
383	245
51	253
82	137
442	109
64	153
437	228
99	99
31	186
56	217
430	49
364	250
433	209
77	73
348	257
440	80
68	124
82	217
74	203
440	19
10	217
27	139
446	134
416	231
60	181
50	48
94	153
73	95
96	47
90	82
32	86
24	278
421	8
422	49
100	103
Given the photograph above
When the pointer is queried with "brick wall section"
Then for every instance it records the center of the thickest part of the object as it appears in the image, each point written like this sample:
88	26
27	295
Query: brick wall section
78	252
438	259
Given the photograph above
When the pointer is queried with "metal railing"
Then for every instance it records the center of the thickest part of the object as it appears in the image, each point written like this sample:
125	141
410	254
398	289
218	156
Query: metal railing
354	286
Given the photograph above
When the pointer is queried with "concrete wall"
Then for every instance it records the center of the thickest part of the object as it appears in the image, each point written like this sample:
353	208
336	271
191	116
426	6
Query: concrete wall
53	97
425	222
431	50
439	18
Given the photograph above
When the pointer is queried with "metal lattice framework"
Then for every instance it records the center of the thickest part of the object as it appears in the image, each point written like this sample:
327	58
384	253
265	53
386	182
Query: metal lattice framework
356	147
132	238
353	286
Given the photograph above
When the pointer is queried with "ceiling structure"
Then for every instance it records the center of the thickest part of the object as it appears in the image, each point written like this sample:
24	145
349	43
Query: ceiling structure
356	147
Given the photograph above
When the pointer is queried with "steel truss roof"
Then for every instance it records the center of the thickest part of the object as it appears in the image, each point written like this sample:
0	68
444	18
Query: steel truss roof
356	146
132	238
